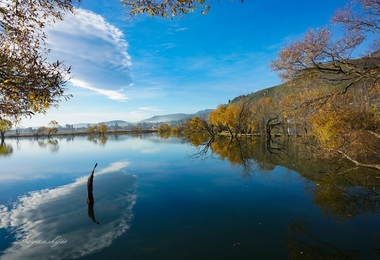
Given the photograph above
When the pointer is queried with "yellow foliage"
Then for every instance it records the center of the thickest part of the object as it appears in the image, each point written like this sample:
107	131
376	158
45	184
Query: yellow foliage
337	125
5	125
236	117
164	128
102	128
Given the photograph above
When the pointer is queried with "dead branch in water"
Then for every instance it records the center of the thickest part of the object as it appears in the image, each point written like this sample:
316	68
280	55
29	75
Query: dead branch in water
90	196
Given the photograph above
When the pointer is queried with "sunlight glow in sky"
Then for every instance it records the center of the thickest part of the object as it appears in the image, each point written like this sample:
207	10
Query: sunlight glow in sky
135	68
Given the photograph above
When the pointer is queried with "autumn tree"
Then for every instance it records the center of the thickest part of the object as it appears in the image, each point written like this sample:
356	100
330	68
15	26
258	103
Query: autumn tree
41	130
166	8
236	118
346	110
217	118
349	131
329	59
29	82
99	129
296	113
92	129
198	130
102	128
164	128
164	131
360	15
199	124
5	125
265	113
177	130
242	117
52	128
321	54
227	119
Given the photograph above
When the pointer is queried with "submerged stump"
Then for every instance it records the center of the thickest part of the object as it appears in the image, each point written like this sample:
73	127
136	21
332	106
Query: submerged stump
90	196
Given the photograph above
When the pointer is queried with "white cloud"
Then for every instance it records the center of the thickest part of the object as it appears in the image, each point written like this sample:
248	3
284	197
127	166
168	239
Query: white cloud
96	51
111	94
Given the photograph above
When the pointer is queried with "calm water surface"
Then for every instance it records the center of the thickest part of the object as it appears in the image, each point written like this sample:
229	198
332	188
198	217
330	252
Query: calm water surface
154	201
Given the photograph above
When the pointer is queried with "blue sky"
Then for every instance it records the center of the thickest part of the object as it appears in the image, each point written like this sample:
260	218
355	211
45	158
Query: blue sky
134	68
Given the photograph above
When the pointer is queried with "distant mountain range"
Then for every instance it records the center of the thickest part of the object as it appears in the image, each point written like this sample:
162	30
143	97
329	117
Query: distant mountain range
120	123
159	119
175	117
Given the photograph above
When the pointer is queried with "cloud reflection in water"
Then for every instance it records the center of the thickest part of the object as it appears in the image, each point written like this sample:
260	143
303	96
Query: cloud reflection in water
59	216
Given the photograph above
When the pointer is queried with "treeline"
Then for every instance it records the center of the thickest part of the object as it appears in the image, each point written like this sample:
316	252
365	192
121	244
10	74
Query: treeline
345	124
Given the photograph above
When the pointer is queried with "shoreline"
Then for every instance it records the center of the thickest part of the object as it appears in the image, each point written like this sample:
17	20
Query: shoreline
78	132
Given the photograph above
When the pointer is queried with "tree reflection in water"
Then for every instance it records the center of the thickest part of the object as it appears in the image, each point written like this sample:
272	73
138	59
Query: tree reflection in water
303	244
102	140
344	202
249	153
342	190
377	239
164	135
52	143
5	150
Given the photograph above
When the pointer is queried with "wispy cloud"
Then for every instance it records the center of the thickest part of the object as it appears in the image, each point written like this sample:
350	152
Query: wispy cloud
111	94
175	29
150	109
180	29
96	50
168	45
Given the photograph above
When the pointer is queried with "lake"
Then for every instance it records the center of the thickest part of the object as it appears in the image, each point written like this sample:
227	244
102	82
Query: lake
163	198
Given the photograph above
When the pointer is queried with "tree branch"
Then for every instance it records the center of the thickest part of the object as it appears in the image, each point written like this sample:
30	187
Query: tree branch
374	166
